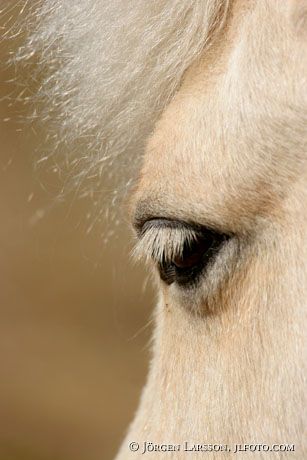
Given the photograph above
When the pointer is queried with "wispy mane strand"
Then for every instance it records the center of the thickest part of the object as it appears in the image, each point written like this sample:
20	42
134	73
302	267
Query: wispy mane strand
111	67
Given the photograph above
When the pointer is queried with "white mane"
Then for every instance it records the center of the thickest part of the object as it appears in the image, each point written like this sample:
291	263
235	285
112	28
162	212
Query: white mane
107	69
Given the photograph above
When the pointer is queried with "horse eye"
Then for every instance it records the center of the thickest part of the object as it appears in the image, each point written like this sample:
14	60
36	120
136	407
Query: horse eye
186	268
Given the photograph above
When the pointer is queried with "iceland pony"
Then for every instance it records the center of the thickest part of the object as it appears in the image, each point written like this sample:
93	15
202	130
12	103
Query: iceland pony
205	102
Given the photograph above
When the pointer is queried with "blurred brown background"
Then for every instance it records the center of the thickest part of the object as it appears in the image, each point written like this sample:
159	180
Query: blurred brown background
73	334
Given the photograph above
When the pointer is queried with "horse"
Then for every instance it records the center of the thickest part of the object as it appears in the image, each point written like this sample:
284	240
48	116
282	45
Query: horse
205	102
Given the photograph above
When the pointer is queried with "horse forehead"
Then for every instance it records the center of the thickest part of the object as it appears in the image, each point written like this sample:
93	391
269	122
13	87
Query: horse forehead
236	125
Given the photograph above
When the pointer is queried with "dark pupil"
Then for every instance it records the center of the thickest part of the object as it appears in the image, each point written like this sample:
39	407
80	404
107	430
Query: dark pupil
186	269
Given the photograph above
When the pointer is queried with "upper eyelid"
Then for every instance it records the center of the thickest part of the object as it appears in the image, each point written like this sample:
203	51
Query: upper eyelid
164	222
144	212
141	224
160	222
161	239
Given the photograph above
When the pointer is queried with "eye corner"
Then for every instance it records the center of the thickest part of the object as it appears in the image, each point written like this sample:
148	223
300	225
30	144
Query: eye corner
137	225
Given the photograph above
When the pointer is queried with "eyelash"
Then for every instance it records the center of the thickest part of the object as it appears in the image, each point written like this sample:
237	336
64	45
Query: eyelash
182	251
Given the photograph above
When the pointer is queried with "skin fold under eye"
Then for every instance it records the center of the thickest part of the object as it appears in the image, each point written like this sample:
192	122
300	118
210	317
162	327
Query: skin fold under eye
182	251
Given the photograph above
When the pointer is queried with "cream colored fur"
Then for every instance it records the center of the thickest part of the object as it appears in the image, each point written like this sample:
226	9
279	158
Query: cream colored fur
229	151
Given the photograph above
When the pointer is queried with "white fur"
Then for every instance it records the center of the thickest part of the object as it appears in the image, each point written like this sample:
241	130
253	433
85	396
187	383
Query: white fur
107	69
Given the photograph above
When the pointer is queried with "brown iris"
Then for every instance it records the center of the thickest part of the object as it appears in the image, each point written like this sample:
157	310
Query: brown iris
192	255
186	268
